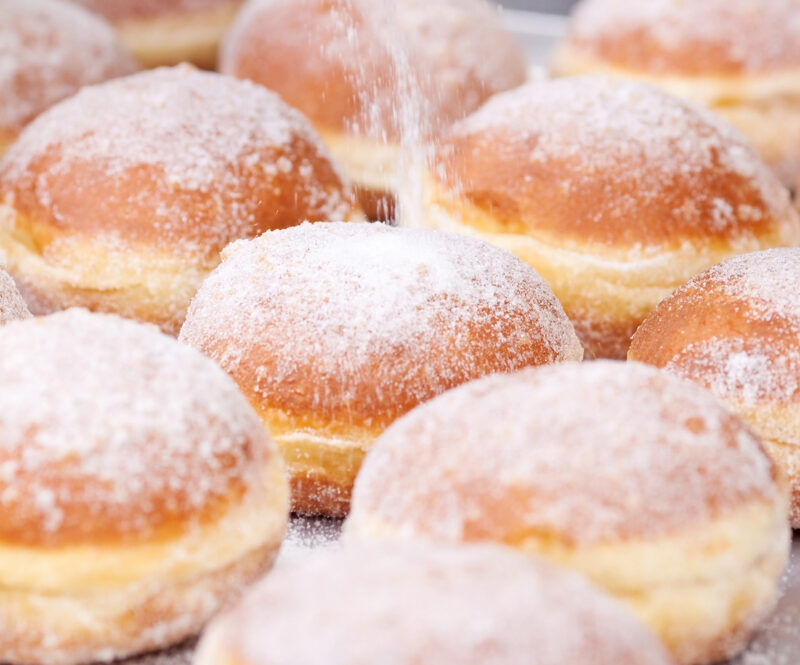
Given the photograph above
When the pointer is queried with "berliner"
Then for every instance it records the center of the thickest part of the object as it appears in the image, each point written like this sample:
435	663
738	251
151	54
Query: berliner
121	198
167	32
334	330
48	50
138	491
735	330
375	78
615	192
12	306
641	481
422	604
739	57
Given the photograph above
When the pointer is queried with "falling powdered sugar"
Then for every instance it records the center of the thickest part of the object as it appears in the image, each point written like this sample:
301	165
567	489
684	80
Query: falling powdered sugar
12	306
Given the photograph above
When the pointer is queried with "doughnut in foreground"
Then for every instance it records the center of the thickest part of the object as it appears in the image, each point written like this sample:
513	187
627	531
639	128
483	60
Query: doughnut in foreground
741	58
168	32
640	480
420	604
615	192
48	50
735	330
334	330
375	78
139	492
121	198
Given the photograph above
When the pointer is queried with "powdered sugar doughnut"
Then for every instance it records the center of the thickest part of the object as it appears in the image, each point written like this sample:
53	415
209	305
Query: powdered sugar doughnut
12	306
138	490
427	605
615	192
739	57
121	198
167	32
335	330
375	77
734	330
48	50
642	481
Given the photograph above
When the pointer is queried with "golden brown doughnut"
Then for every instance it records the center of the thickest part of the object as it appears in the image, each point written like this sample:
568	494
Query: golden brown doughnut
643	482
739	57
167	32
615	192
420	604
12	306
121	198
48	50
735	330
334	330
375	77
138	490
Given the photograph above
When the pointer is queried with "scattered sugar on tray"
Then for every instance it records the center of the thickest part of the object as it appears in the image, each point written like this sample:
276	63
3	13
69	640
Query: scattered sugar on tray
587	451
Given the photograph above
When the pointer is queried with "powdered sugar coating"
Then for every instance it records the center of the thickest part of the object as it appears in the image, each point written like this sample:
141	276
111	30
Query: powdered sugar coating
368	319
588	453
108	422
191	158
614	161
422	604
12	306
48	50
696	37
124	9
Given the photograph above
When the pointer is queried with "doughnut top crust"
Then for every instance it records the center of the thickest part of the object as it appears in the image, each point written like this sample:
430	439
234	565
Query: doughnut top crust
110	430
174	157
592	159
12	306
723	37
48	50
116	10
587	453
358	323
386	70
734	329
427	605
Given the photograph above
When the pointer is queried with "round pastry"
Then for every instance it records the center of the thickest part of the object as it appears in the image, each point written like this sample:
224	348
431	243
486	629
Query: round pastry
739	57
641	481
335	330
167	32
615	192
421	604
375	78
121	198
48	50
138	491
734	330
12	306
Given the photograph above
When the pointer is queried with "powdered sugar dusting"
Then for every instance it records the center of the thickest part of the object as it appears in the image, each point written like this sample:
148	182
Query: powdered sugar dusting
589	452
119	419
48	50
12	306
340	304
122	9
418	603
749	35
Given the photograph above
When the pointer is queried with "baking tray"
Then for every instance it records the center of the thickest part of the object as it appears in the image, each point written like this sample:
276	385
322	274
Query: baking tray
778	641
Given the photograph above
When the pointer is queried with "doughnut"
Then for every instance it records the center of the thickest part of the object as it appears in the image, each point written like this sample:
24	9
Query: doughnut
641	481
138	491
741	58
334	330
12	306
734	330
48	50
423	604
615	192
121	198
375	77
168	32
